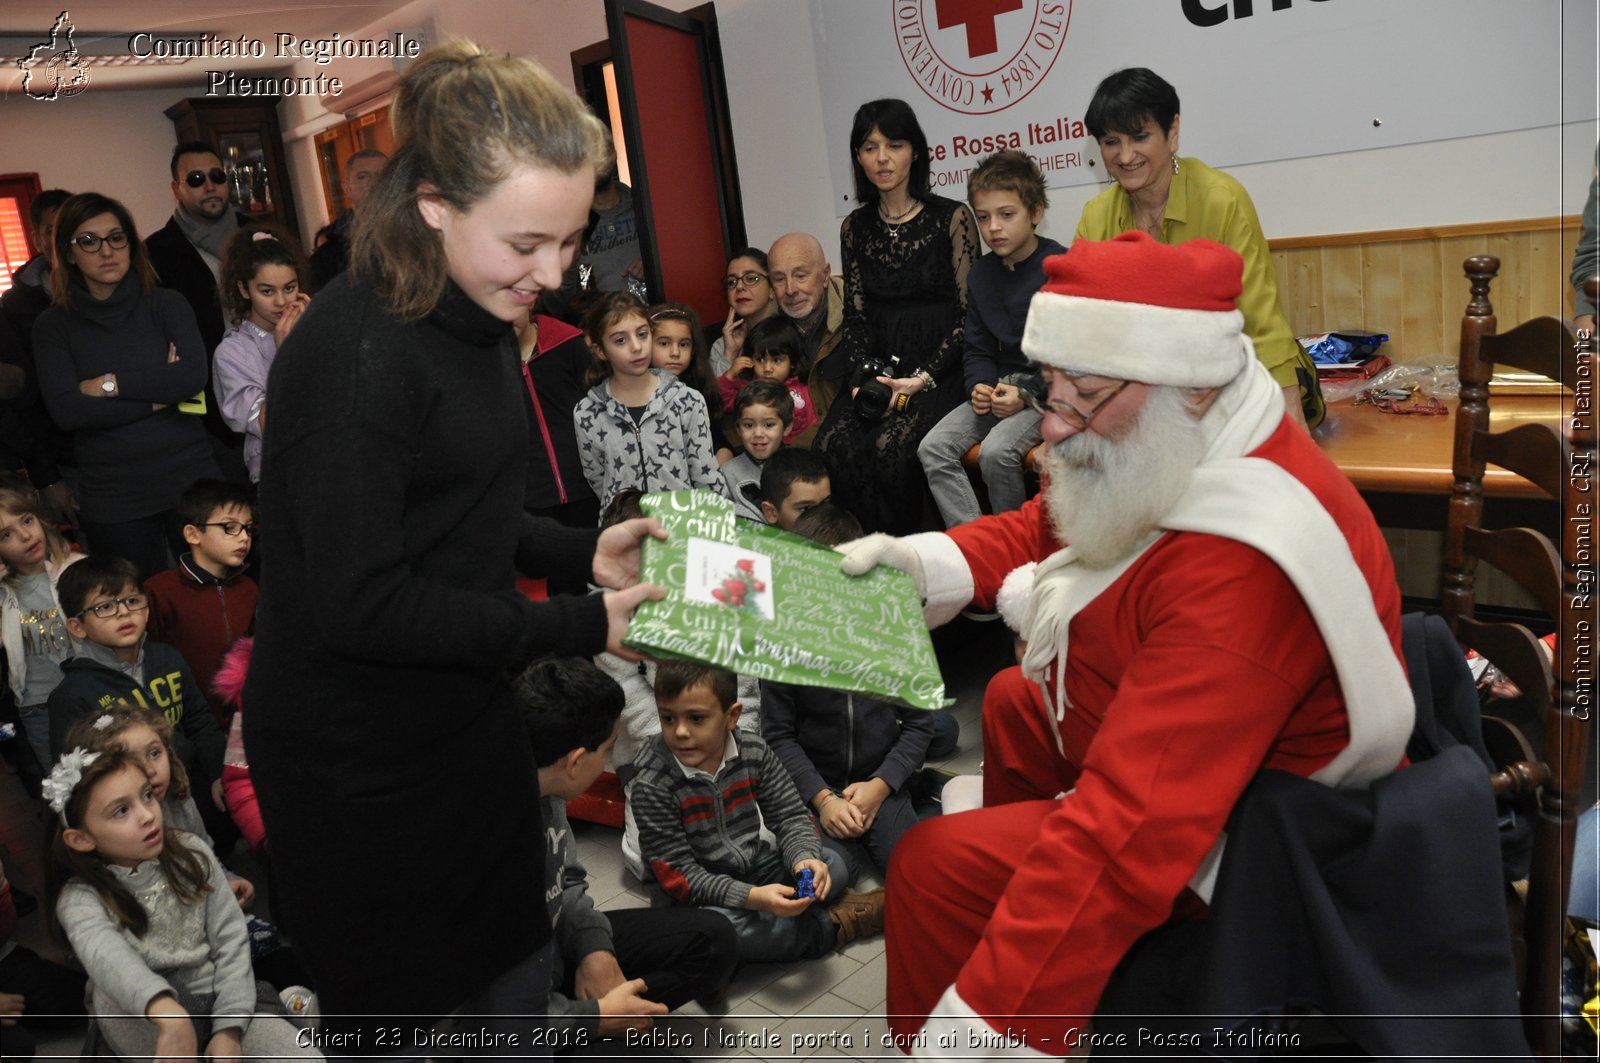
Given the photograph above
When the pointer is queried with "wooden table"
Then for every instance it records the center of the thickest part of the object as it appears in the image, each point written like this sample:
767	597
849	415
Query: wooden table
1410	454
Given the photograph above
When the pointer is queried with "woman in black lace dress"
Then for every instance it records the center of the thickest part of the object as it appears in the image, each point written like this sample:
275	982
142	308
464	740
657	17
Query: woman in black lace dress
906	254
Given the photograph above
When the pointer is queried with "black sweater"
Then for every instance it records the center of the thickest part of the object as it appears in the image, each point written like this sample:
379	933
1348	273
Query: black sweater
382	732
134	461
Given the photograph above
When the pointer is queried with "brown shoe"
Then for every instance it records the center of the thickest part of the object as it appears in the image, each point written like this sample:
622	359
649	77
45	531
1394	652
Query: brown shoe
857	915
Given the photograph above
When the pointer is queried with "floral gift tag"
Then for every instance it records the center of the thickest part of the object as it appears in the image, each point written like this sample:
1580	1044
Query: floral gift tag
765	603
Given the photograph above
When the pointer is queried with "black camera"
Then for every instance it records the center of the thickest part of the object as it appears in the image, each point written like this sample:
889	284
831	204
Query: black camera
873	397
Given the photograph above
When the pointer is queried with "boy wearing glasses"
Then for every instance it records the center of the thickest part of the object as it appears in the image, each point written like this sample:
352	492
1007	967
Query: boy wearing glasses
207	602
113	661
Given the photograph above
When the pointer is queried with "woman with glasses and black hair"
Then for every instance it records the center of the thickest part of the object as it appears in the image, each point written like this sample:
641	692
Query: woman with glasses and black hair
117	359
750	300
906	253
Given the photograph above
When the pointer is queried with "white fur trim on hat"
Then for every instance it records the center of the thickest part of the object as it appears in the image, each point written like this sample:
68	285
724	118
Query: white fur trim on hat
1136	341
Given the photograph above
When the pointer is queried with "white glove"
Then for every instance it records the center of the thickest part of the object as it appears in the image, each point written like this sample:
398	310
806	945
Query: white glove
860	555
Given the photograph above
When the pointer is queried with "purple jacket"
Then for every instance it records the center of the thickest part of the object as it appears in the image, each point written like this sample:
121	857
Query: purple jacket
240	364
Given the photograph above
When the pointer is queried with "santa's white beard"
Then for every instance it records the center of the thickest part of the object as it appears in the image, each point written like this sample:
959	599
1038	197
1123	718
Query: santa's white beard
1105	496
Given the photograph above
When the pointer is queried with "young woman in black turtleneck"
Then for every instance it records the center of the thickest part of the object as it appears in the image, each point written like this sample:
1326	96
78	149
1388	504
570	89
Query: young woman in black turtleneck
395	778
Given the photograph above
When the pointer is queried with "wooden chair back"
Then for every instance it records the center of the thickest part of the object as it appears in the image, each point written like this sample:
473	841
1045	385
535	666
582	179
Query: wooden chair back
1561	581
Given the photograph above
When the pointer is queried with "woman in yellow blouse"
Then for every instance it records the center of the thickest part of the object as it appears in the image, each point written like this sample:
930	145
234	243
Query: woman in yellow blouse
1134	117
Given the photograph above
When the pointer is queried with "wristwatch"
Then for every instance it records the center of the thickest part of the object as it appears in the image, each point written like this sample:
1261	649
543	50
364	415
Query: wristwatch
109	386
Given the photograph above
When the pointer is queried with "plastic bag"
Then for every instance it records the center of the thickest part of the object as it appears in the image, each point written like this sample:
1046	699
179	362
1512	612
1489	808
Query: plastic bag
1348	347
1401	381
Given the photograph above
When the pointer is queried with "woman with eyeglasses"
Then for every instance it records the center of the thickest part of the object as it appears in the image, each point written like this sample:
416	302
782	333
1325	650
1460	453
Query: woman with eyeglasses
749	300
906	254
117	359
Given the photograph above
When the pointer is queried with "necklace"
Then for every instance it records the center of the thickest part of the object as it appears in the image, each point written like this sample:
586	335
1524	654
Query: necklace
895	219
891	222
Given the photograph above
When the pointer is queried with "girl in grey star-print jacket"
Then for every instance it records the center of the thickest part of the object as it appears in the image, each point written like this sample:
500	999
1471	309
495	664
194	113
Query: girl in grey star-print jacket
667	448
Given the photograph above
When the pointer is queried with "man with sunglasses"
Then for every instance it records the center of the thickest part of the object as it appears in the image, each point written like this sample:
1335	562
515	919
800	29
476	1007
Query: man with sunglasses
187	256
1231	607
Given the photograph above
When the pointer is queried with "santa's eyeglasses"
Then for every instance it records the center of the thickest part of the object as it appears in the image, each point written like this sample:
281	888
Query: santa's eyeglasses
1076	419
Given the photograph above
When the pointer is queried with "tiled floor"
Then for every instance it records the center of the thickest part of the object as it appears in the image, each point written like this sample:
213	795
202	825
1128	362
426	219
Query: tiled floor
825	1009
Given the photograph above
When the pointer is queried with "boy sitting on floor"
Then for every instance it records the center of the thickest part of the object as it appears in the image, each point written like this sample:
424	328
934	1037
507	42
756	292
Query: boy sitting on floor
792	481
850	755
113	661
612	971
722	826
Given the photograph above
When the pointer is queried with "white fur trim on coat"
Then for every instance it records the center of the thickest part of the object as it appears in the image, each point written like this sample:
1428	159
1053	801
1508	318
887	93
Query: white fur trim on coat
1012	600
1135	341
966	1035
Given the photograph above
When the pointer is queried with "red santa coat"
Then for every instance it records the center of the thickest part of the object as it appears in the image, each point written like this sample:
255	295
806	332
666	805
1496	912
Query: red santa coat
1198	667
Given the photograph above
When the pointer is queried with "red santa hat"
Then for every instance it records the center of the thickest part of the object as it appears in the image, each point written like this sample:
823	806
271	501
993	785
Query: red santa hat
1135	309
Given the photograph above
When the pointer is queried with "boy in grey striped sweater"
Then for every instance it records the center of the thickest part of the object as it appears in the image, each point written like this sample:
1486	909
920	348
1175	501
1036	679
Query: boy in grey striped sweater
722	826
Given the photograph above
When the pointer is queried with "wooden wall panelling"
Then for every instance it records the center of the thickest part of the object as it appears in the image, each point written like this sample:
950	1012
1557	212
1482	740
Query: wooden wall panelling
1343	305
1422	328
1408	283
1302	289
1383	283
1551	291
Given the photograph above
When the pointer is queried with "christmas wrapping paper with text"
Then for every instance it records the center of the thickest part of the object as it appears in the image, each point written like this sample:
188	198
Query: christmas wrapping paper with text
762	602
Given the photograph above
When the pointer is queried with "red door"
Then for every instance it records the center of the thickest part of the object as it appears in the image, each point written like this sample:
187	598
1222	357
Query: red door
673	99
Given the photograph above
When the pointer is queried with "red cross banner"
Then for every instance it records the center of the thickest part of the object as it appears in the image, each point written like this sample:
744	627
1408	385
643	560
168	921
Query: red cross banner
1259	80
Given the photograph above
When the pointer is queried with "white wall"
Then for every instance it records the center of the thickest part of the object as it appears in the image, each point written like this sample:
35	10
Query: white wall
116	143
1531	173
119	142
769	51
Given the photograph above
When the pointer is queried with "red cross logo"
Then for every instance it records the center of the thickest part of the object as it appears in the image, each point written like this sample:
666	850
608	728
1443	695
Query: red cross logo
978	16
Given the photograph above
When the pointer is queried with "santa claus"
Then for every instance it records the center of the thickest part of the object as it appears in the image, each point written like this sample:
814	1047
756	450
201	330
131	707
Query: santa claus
1223	603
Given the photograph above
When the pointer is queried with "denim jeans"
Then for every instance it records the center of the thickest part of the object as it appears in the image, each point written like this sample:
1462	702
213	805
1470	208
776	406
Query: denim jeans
36	730
767	938
895	816
1006	442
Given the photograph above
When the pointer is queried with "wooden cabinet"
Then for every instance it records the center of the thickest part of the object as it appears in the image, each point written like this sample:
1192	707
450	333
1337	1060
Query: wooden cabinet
336	144
249	141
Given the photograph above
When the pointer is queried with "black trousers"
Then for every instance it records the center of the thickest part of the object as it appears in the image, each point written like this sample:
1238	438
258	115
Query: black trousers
682	954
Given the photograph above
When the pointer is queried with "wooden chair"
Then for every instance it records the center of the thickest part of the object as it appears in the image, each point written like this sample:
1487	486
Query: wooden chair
1563	694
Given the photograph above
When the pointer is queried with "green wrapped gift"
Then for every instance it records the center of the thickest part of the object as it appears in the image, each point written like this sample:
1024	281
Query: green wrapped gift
763	602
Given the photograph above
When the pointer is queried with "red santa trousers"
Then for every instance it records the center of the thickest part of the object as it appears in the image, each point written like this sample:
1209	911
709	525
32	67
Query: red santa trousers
948	874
